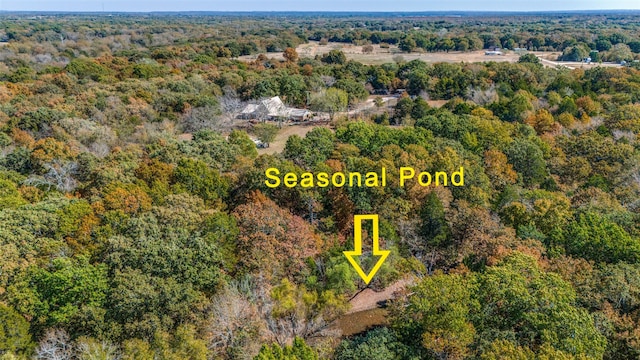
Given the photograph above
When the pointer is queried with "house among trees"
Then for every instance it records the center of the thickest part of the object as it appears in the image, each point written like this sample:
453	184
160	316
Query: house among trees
273	109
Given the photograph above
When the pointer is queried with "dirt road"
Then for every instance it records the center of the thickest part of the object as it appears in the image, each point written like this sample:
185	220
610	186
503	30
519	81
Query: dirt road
369	299
574	65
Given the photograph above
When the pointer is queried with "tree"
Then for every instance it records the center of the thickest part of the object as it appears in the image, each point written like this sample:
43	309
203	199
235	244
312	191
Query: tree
293	88
93	349
270	232
535	308
331	101
378	344
299	350
595	238
528	160
603	44
378	102
625	117
59	175
207	117
520	105
403	109
355	90
498	169
294	311
14	332
542	121
55	345
290	54
408	44
10	197
634	46
198	179
243	141
334	57
235	323
507	350
574	53
164	264
88	68
434	229
60	294
437	315
618	53
266	132
529	59
419	81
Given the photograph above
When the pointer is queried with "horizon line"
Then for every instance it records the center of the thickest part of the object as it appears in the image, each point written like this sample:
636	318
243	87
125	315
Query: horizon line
320	11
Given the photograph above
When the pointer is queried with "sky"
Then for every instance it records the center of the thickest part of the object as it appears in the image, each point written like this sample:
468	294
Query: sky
317	5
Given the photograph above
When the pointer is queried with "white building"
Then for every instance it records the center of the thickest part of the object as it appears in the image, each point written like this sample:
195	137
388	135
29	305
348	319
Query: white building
273	108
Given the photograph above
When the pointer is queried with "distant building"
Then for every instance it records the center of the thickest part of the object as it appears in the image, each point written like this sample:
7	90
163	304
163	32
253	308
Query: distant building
299	114
272	109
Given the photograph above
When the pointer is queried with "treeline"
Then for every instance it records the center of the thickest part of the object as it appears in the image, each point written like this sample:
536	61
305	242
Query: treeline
608	37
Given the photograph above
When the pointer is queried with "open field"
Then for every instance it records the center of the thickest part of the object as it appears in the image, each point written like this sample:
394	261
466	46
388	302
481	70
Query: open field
386	55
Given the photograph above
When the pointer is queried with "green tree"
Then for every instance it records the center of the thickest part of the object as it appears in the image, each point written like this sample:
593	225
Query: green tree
403	109
528	160
596	238
506	350
266	132
14	332
634	46
434	228
355	90
334	57
619	52
299	350
58	295
438	316
88	68
293	89
408	44
331	101
198	179
9	195
520	301
242	140
603	44
378	344
529	59
574	53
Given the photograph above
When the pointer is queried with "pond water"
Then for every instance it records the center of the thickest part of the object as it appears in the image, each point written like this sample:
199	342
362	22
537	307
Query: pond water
356	323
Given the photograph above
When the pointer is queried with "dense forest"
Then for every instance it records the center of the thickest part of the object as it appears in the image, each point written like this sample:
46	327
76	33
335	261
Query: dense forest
135	222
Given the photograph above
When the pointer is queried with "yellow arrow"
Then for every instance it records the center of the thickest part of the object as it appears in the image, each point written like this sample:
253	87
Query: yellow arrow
357	247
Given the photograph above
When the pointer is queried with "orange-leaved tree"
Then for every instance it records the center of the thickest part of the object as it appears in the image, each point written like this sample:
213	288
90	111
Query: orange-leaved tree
273	241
